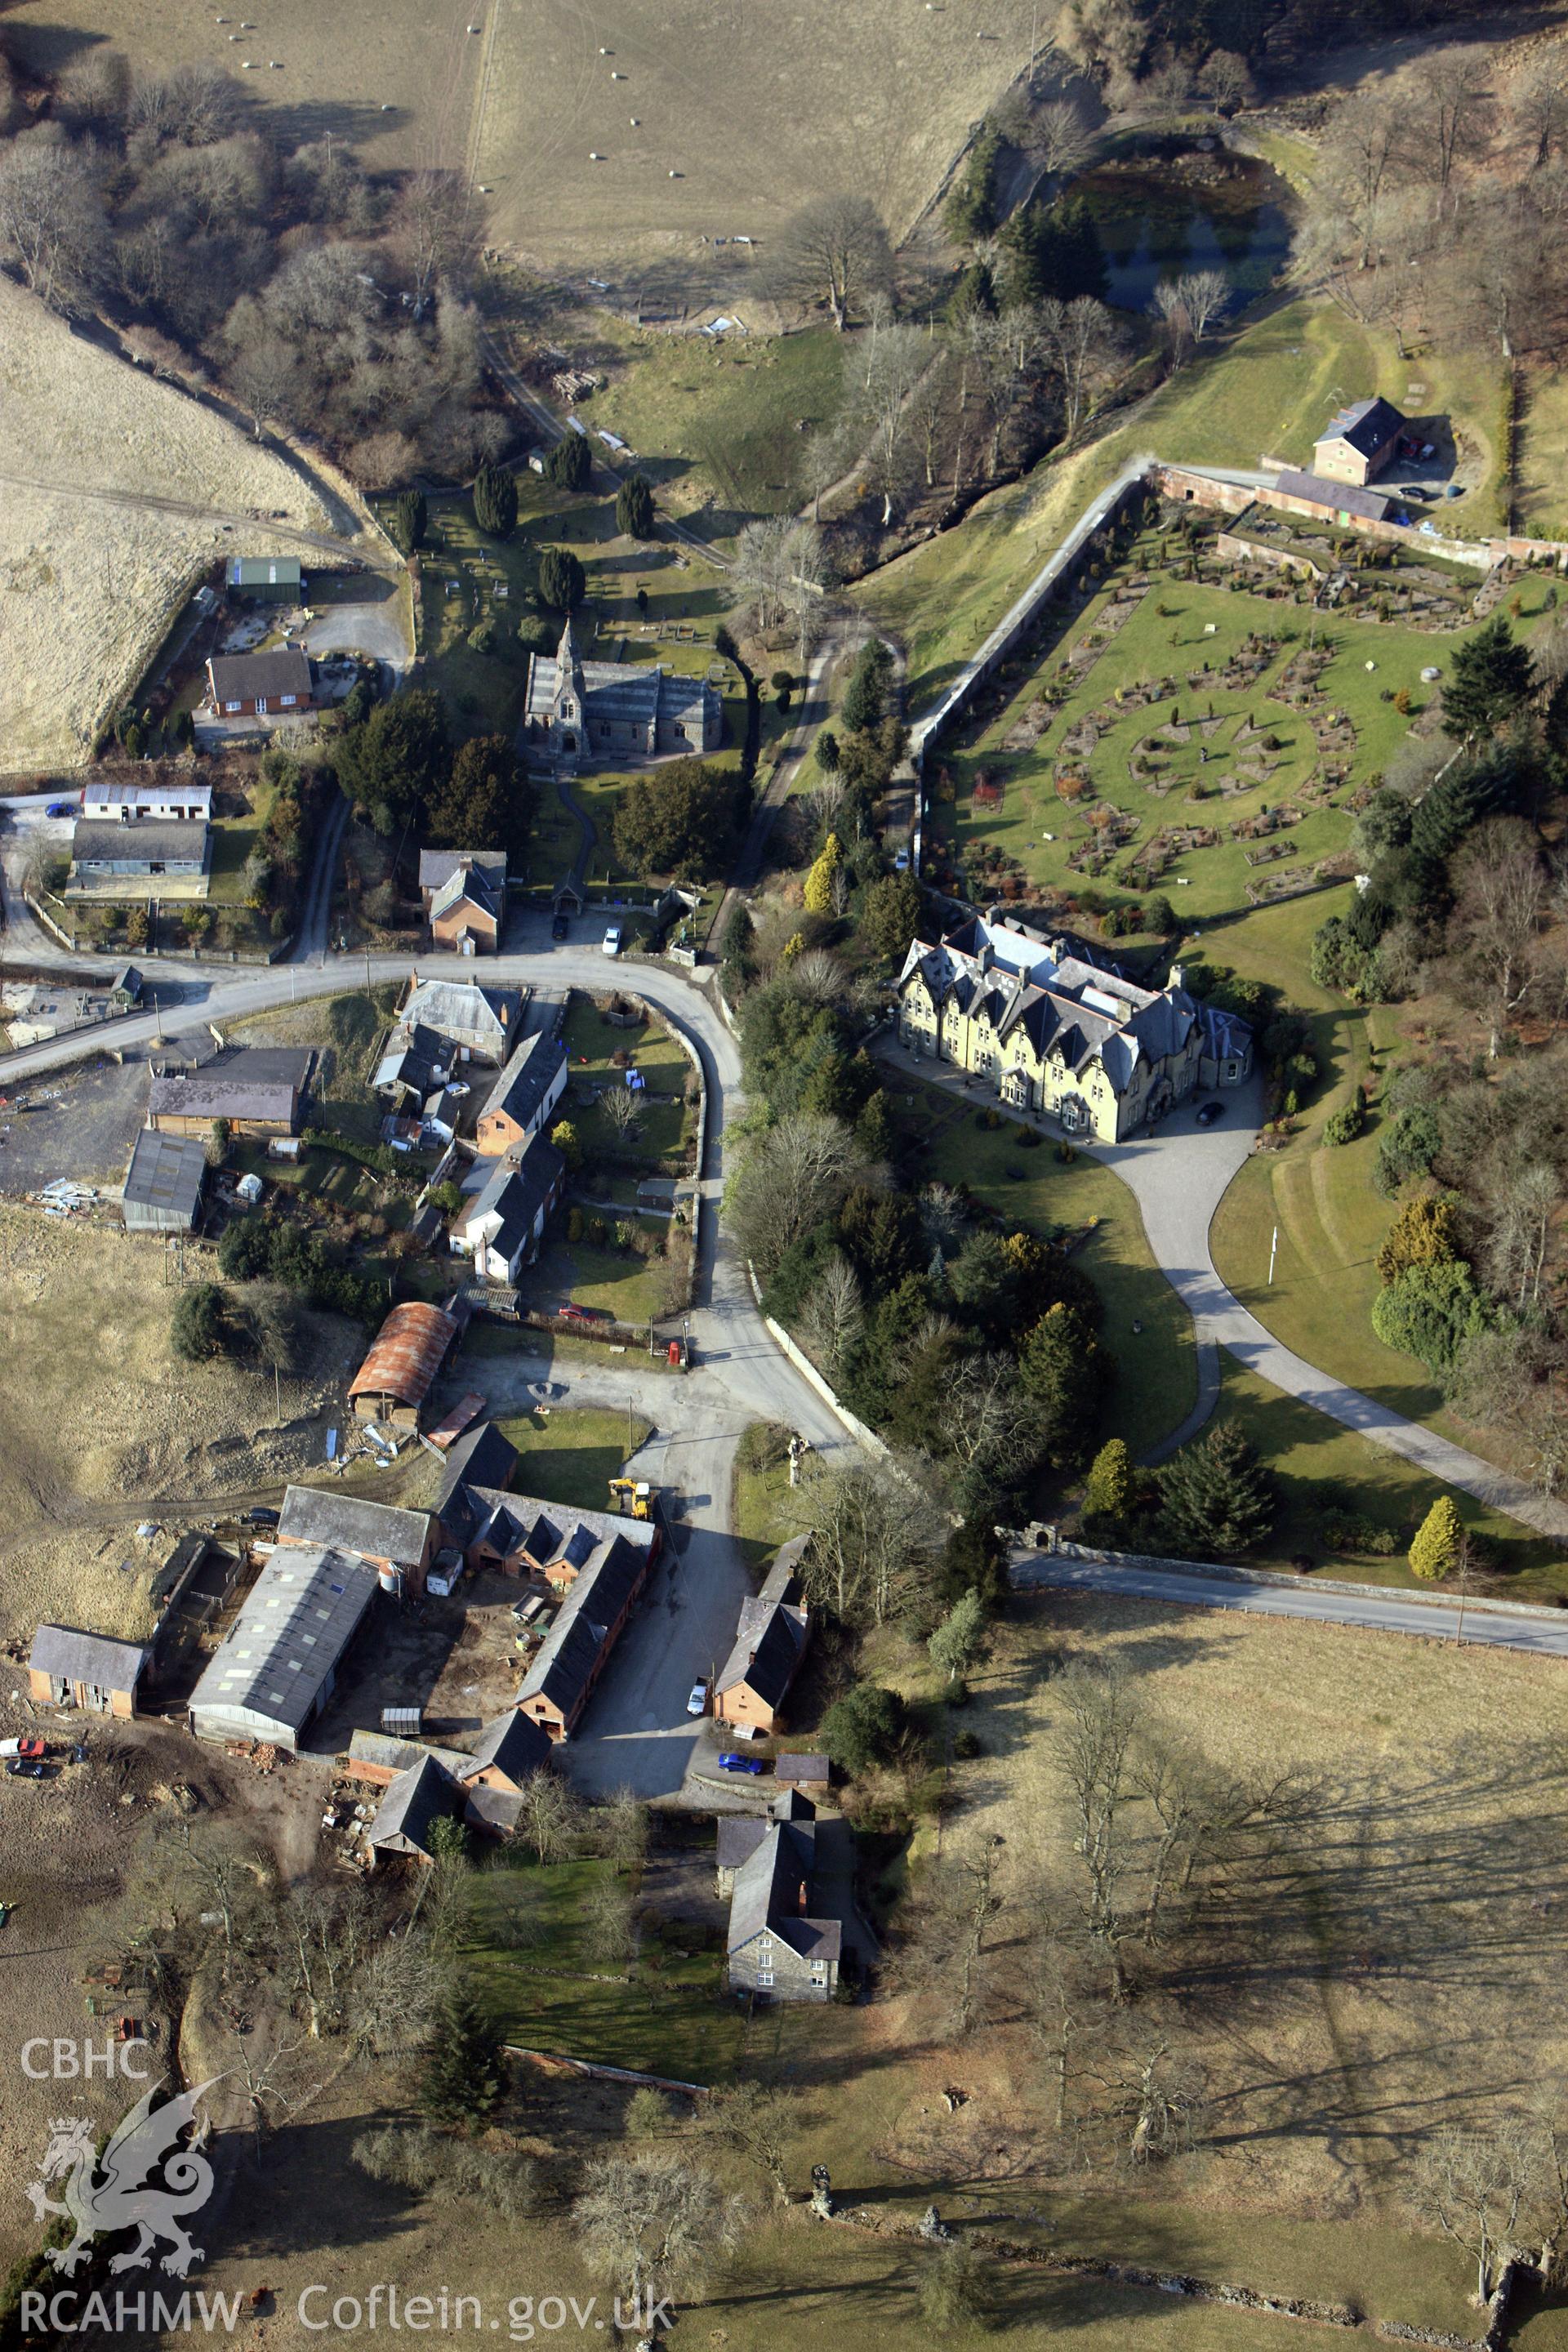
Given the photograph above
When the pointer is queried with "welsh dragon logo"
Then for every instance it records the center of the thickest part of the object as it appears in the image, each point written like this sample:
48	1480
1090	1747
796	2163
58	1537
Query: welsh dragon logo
112	2192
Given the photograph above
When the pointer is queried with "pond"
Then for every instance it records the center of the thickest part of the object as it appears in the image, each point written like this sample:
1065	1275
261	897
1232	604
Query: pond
1154	222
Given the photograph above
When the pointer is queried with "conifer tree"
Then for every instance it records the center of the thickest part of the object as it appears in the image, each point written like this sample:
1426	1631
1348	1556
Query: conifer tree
462	2075
495	501
1109	1492
1217	1497
819	881
1439	1540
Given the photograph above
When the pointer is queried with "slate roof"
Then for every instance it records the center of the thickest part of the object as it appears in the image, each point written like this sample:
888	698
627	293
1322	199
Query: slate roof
510	1745
325	1515
166	1173
147	840
740	1836
412	1058
571	1651
295	1621
481	1457
803	1767
516	1193
782	1581
390	1754
418	1799
769	1886
71	1655
249	677
467	887
768	1648
1342	498
1367	424
526	1080
466	1012
438	866
258	1082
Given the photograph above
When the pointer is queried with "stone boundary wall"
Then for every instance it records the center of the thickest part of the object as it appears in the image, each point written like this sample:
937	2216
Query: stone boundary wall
808	1371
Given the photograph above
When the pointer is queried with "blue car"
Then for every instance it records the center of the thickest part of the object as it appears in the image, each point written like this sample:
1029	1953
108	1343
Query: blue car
61	808
740	1764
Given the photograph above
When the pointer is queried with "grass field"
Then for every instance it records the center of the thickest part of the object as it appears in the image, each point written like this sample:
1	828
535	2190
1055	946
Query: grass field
1156	1367
1274	385
91	583
719	422
738	121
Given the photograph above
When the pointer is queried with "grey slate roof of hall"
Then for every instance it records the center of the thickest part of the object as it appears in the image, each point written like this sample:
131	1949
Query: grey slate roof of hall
468	884
438	866
72	1656
639	691
526	1079
1344	497
324	1515
165	840
242	677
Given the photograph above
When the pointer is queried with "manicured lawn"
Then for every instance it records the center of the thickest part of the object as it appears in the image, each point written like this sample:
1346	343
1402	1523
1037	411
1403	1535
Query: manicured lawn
1307	1451
569	1457
719	422
625	1285
1157	1370
668	2016
758	1508
1543	457
1275	383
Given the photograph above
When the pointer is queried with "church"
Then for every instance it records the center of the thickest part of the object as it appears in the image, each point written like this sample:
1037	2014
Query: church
581	713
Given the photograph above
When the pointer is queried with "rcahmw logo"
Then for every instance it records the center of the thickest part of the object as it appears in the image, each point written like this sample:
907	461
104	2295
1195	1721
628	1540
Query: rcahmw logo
118	2190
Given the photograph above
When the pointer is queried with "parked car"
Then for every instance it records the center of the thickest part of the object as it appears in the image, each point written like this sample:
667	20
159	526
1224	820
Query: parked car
24	1768
697	1702
30	1748
572	1313
61	808
258	1515
1209	1113
611	942
733	1763
559	928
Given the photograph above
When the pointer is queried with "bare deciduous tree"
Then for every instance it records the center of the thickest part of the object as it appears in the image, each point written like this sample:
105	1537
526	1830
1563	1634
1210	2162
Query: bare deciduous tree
551	1818
1079	336
1447	116
881	384
790	1178
1094	1729
1476	2187
1503	903
656	2224
833	1315
435	227
623	1109
758	2120
835	253
875	1542
51	221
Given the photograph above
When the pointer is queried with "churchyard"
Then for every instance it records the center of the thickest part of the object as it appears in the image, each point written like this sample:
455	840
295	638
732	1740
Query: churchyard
1199	725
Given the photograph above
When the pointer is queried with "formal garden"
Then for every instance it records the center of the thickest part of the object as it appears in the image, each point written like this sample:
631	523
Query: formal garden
1194	728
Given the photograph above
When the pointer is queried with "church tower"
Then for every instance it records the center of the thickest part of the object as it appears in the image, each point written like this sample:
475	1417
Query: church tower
568	688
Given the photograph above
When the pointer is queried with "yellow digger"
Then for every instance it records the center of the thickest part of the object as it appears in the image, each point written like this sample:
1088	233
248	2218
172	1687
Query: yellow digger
633	1497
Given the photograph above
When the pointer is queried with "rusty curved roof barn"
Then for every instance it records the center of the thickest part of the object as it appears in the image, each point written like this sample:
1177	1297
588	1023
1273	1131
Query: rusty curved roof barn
406	1353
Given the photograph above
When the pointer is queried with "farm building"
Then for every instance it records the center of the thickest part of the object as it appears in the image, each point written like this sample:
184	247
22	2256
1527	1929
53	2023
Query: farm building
1054	1033
378	1757
265	579
66	1667
125	989
480	1457
399	1544
501	1228
509	1752
154	857
177	798
770	1642
163	1188
577	712
242	685
464	891
396	1377
426	1794
603	1574
473	1021
277	1666
1356	445
804	1771
774	1949
523	1096
1329	502
261	1090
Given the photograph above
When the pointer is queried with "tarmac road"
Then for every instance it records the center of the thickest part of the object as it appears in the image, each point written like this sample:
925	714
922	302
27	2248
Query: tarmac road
1545	1635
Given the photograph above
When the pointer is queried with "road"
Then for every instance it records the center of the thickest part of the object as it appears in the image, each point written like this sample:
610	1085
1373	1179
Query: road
1546	1635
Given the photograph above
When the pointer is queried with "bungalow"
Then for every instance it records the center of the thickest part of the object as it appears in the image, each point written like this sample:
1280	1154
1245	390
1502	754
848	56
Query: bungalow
396	1377
244	686
523	1096
261	1090
154	857
463	893
501	1228
66	1667
1358	443
776	1949
399	1544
